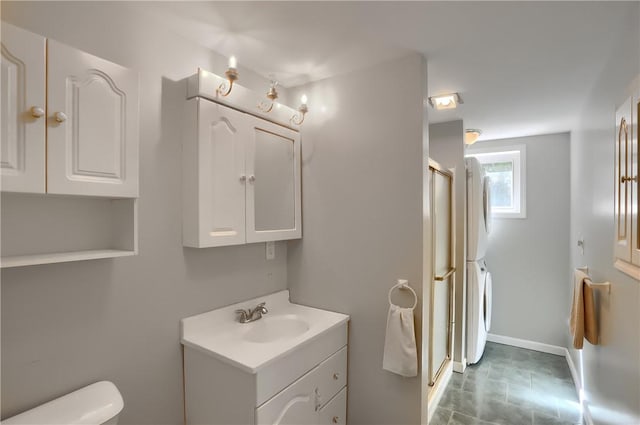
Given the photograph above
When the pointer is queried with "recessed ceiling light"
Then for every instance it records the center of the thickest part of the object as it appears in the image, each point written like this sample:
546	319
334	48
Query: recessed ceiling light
445	101
471	135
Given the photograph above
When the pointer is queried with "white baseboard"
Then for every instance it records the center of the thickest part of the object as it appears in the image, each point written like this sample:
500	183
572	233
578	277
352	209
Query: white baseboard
530	345
436	392
586	413
459	367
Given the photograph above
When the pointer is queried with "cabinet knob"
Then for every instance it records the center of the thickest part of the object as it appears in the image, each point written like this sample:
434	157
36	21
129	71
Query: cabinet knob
37	112
60	116
252	178
243	178
335	419
336	376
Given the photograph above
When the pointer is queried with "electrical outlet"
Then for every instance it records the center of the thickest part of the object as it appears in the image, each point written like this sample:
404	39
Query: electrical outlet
271	250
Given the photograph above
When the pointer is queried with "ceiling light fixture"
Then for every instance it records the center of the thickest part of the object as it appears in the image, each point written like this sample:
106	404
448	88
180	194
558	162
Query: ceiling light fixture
272	95
297	119
445	101
232	75
471	135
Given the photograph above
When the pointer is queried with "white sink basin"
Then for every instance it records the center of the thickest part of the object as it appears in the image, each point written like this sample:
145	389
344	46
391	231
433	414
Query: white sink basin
273	328
252	346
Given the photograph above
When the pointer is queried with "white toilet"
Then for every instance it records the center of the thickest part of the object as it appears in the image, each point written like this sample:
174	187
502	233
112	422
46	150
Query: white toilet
95	404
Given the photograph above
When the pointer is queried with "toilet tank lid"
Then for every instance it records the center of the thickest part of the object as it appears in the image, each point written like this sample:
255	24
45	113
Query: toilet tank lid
94	404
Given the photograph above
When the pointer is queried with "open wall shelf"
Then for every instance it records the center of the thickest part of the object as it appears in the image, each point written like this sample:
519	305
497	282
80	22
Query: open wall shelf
43	229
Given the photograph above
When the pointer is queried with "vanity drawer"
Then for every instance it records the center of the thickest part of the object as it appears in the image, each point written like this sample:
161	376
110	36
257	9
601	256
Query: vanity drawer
278	375
300	402
331	376
335	412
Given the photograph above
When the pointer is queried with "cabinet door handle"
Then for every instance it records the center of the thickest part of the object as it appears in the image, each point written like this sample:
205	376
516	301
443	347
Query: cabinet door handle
625	179
252	178
335	419
318	400
60	116
336	376
243	178
37	112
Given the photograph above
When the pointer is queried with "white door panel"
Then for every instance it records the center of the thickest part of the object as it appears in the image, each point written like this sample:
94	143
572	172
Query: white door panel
92	143
622	188
635	184
22	139
221	155
273	197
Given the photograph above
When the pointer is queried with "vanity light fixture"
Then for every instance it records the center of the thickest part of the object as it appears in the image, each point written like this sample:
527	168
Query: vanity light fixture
297	119
445	101
471	135
232	75
272	95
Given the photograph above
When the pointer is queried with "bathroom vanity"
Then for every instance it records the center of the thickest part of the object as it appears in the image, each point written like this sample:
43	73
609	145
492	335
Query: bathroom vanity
289	367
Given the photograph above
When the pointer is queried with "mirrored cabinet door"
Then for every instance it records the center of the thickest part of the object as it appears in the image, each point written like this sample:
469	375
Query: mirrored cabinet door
273	190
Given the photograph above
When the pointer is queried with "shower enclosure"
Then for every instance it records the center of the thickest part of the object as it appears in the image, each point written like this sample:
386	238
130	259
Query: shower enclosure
440	344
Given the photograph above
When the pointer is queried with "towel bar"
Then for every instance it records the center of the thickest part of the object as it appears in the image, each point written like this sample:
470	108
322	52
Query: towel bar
597	285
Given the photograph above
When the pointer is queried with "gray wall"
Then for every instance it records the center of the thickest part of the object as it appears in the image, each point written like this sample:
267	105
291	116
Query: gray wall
528	257
612	370
362	203
446	146
67	325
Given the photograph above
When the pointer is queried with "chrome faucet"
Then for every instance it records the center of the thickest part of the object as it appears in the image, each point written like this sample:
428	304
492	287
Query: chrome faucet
251	315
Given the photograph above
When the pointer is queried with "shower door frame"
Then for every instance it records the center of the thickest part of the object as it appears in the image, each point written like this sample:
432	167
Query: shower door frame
435	167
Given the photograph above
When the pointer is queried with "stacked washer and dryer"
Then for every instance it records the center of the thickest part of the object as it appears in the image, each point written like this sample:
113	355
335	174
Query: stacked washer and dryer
478	277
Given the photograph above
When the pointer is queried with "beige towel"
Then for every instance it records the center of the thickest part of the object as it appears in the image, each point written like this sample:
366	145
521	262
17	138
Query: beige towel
583	318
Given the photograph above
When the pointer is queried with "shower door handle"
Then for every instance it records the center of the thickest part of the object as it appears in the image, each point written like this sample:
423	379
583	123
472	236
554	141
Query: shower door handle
446	275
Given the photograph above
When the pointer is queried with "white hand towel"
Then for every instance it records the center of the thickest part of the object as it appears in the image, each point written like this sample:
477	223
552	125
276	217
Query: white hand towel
400	354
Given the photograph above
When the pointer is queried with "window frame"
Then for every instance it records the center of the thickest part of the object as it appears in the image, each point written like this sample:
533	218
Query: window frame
518	155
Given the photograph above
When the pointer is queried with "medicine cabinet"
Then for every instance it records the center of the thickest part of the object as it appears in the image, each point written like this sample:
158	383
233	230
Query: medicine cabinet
627	189
241	177
69	150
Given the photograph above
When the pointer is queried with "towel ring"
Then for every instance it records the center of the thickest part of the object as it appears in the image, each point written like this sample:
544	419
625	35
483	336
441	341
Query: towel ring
404	284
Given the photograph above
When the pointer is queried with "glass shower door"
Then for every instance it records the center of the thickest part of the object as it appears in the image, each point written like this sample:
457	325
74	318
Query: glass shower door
441	314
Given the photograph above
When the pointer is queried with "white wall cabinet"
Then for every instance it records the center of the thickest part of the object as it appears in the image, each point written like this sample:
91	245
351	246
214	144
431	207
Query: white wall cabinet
627	192
241	178
77	137
69	127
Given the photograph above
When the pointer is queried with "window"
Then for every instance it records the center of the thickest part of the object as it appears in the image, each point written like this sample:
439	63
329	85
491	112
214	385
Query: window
505	167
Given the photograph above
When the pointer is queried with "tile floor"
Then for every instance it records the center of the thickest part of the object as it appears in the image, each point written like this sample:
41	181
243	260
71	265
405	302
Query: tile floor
511	386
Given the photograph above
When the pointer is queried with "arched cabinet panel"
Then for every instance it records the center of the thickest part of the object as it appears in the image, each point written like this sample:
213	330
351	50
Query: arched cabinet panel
627	189
92	144
22	103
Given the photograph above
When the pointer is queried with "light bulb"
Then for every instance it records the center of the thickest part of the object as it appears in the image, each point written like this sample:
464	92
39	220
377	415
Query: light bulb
233	63
303	99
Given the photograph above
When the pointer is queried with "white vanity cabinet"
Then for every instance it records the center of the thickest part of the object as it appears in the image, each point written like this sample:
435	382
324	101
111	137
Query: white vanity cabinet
70	120
627	189
241	177
287	368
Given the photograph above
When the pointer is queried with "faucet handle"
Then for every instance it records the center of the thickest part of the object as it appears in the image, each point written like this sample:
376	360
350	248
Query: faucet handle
261	307
243	315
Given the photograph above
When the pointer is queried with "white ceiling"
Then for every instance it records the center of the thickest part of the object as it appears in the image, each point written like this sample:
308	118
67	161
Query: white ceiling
522	68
